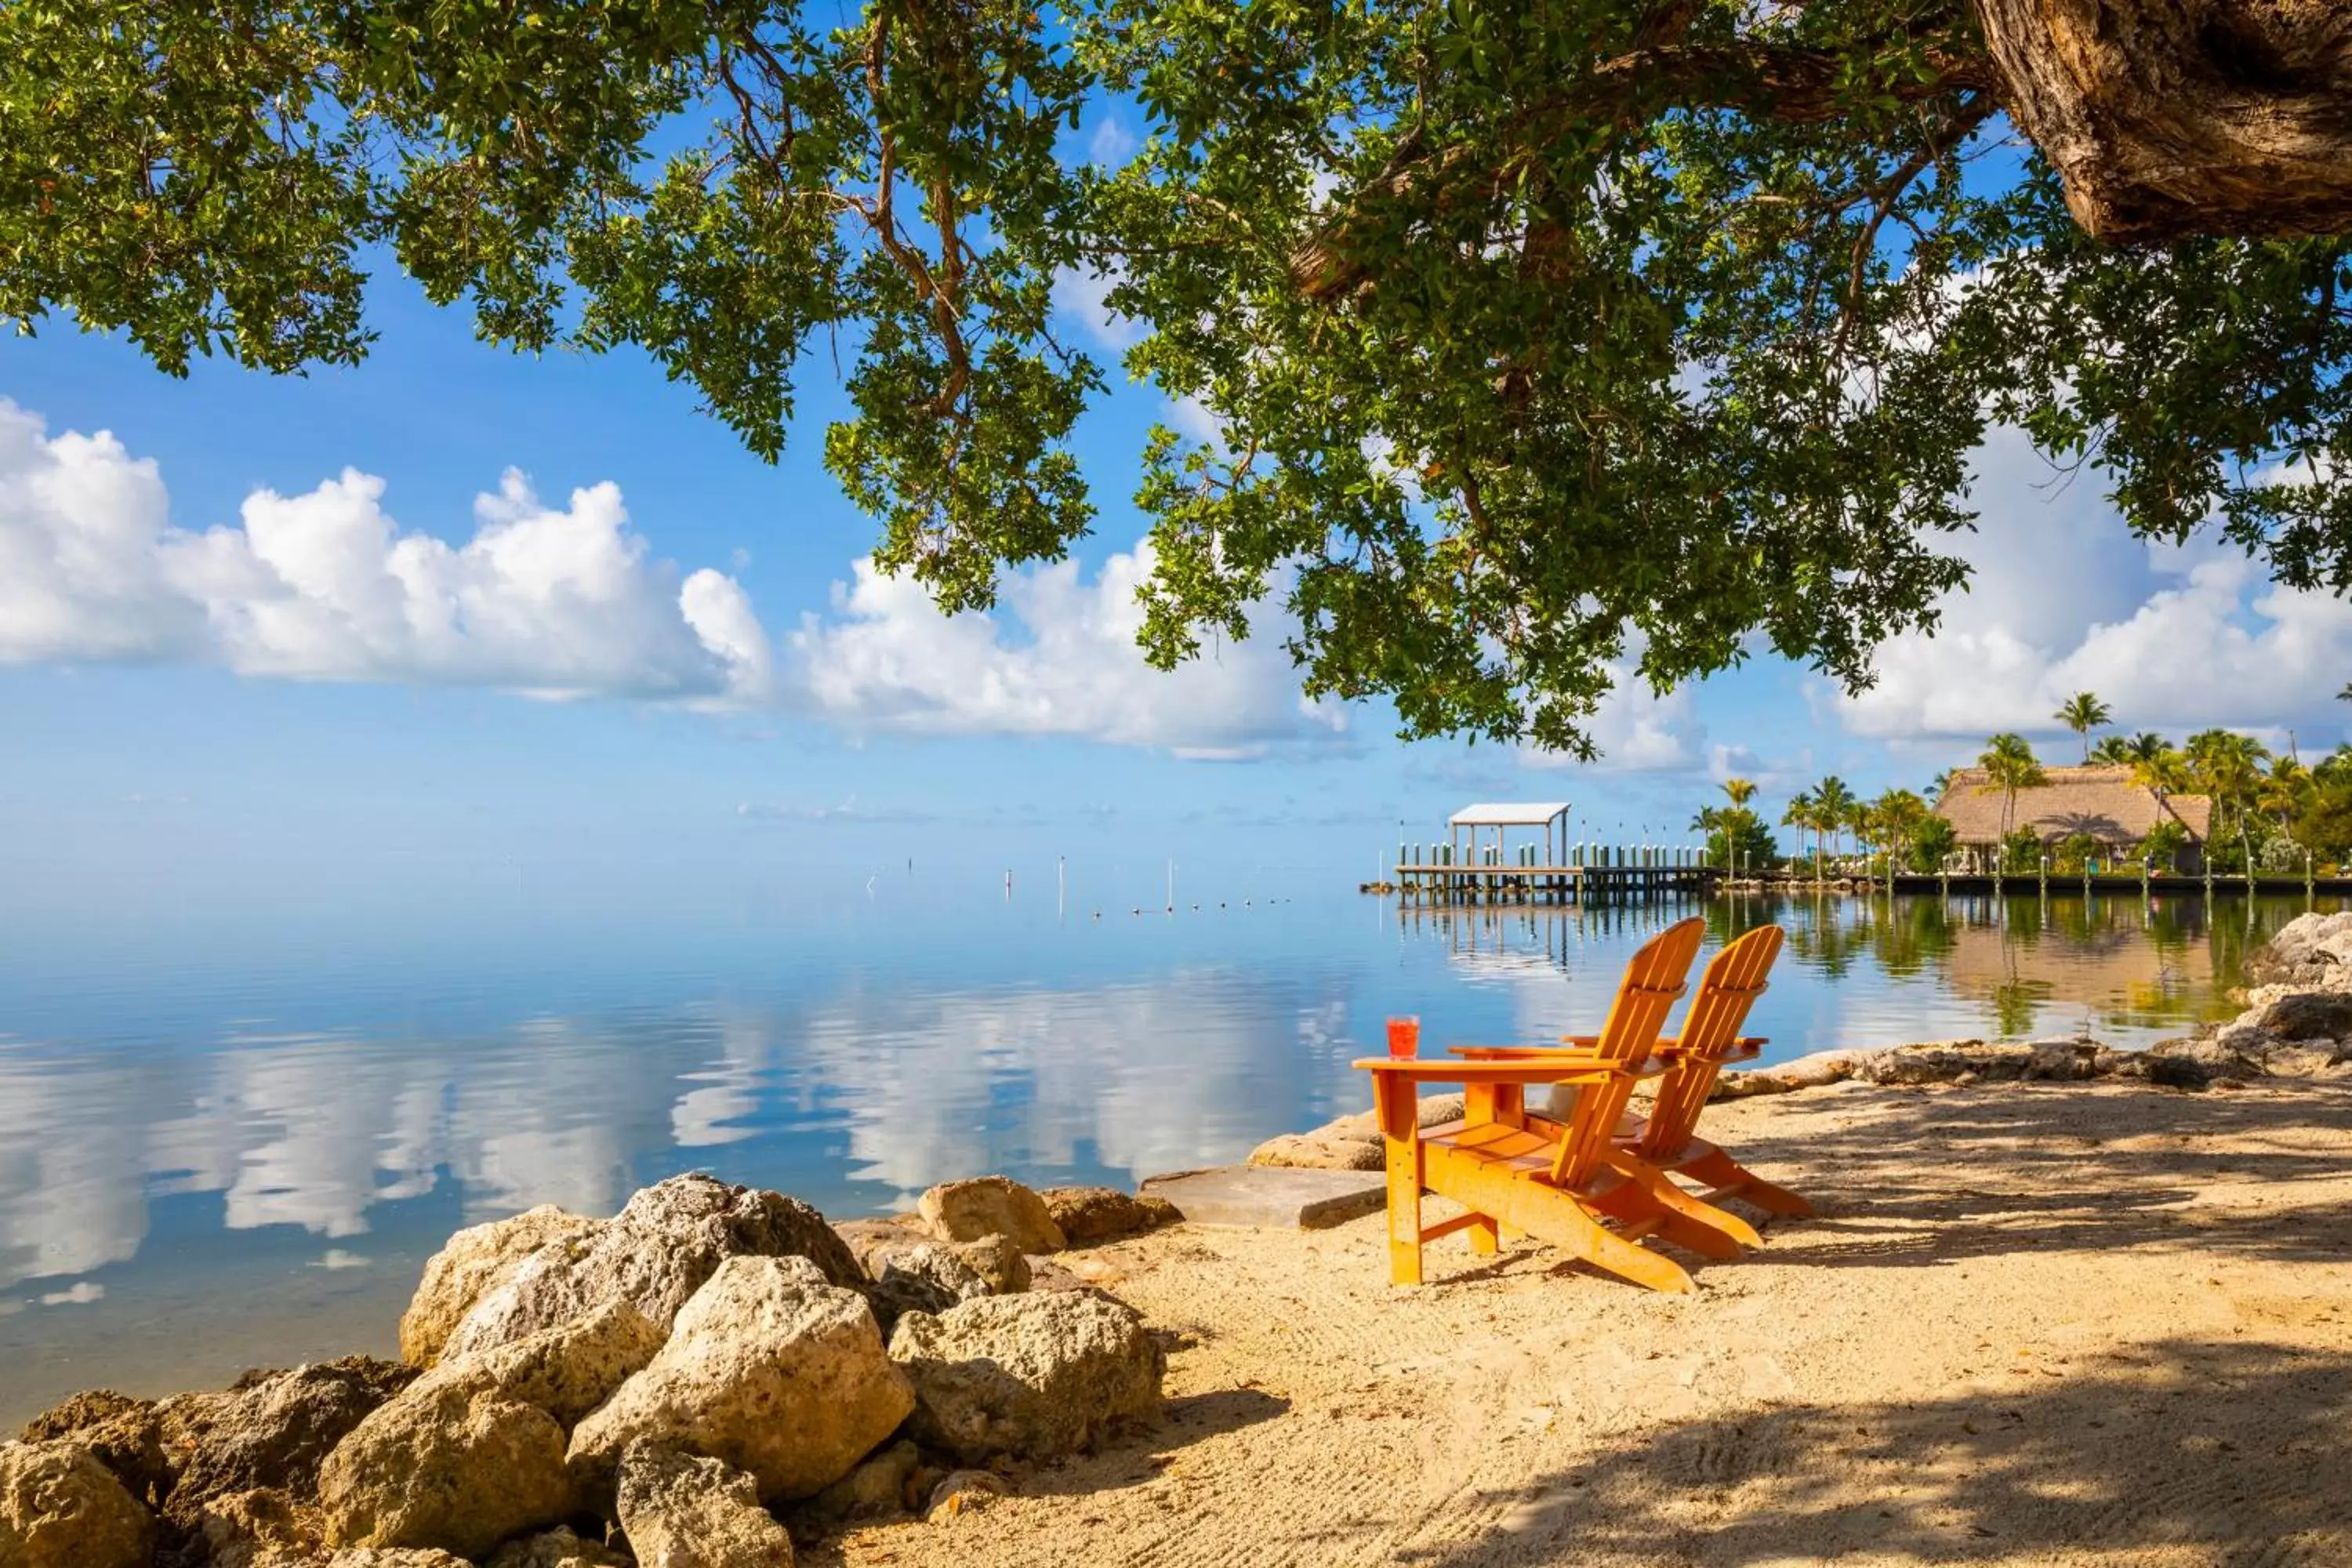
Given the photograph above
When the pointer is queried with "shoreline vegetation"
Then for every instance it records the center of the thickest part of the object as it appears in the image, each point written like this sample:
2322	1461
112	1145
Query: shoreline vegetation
2221	801
717	1377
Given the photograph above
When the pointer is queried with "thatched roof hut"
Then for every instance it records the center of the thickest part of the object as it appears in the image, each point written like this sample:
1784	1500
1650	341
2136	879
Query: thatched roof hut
2101	802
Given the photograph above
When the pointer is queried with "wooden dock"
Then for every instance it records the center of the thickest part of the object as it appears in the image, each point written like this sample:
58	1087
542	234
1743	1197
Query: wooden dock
1441	882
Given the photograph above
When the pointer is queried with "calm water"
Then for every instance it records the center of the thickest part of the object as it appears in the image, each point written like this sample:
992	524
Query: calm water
224	1144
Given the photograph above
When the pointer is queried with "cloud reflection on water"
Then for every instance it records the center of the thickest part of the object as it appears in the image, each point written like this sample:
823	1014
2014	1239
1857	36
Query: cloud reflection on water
868	1097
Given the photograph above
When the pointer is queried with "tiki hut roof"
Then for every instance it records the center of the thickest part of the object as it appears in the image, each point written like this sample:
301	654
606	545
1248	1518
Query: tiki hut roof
2101	802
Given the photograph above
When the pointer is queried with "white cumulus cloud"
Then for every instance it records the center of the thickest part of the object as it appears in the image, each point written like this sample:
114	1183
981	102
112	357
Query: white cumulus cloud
2064	599
1058	658
568	601
325	586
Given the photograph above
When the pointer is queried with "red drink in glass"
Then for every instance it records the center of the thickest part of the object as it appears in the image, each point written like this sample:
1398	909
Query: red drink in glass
1404	1037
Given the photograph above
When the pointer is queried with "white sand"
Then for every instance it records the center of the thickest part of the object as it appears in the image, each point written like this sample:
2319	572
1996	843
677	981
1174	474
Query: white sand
2033	1324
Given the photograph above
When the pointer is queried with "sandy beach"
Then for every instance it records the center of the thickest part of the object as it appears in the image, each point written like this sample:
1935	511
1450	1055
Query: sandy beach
2094	1323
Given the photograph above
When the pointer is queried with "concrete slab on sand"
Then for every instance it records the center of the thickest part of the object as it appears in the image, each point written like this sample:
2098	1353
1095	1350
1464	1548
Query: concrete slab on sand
1270	1197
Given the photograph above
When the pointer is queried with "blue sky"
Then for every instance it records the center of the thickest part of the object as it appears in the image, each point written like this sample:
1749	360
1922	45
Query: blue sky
216	698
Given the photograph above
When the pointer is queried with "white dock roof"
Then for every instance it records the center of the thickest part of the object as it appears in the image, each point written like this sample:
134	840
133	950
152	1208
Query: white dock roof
1508	814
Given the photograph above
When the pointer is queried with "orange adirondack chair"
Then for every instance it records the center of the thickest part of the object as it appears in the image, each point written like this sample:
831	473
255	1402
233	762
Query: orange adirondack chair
1556	1182
1710	1039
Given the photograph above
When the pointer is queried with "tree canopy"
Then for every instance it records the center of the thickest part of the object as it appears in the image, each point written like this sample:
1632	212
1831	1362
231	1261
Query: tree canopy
1550	344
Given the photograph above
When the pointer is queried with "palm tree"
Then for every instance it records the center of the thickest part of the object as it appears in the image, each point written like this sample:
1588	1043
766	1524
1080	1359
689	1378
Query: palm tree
2346	694
2082	713
1899	814
2284	791
1800	815
2010	766
2229	765
1739	791
1833	806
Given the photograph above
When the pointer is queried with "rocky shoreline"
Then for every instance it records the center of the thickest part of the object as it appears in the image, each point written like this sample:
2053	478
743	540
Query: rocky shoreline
688	1385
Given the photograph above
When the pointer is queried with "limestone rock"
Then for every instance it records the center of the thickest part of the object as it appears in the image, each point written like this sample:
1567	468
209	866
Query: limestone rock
1817	1070
1049	1274
683	1511
770	1368
60	1508
1088	1215
1031	1375
453	1467
877	1487
872	1241
2299	1015
566	1371
268	1429
997	1261
920	1277
471	1262
2311	952
990	1206
2068	1060
389	1557
1941	1061
259	1529
655	1254
1307	1152
122	1433
2199	1061
959	1491
559	1548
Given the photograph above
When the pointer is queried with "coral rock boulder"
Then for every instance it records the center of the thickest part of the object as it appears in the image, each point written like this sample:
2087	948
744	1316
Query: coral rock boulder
681	1512
566	1371
771	1368
60	1508
451	1467
654	1255
1027	1375
471	1262
990	1206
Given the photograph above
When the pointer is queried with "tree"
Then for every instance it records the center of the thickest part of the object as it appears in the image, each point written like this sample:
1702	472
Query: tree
2010	766
2227	766
2082	713
2125	751
1933	845
1900	816
1736	836
1547	346
1800	815
1833	805
1739	792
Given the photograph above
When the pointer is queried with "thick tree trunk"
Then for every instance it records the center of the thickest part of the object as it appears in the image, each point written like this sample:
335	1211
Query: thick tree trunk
2172	117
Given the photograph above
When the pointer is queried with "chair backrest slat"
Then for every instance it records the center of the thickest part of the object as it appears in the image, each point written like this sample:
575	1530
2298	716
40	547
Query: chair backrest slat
1711	1029
1653	981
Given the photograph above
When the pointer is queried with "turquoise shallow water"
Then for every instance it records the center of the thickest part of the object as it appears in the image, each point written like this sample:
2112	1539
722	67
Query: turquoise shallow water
232	1142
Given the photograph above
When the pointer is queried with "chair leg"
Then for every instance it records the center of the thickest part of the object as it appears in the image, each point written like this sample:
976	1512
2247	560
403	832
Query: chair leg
1693	1222
1727	1177
1483	1237
1603	1248
1404	1212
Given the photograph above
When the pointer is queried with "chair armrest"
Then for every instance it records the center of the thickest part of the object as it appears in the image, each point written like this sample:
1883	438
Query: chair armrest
1548	1053
1430	1069
1747	1049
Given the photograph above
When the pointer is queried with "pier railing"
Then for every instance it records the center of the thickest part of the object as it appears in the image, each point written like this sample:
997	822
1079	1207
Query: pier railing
1593	873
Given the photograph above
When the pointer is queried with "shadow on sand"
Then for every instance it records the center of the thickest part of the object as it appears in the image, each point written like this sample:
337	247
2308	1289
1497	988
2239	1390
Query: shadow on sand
2260	1474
